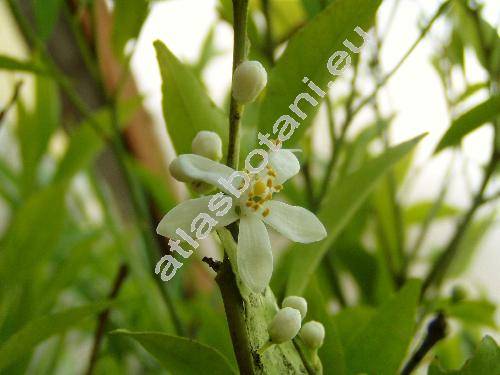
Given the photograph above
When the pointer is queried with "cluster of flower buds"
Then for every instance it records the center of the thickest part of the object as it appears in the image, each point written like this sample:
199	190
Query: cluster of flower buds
287	322
249	79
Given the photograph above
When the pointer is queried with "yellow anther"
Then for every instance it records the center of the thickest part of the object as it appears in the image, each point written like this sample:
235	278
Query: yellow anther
266	212
278	187
259	188
249	204
269	182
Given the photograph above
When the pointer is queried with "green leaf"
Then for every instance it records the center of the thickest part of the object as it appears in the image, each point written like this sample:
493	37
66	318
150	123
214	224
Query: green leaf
486	360
40	329
128	17
381	346
11	63
32	234
471	90
417	212
343	200
469	121
180	355
36	128
46	15
351	320
480	312
186	107
326	32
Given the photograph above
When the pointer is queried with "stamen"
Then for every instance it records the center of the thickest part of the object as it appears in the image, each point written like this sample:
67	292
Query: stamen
266	212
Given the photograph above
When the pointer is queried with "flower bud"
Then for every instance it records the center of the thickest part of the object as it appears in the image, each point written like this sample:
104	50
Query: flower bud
178	171
296	302
207	144
249	79
285	325
313	334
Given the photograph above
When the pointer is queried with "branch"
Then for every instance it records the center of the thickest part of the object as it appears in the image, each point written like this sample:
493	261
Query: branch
104	316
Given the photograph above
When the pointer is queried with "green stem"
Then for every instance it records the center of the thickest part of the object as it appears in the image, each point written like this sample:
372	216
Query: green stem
440	267
240	15
226	279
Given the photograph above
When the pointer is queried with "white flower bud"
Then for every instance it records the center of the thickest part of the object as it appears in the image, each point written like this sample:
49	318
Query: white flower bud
296	302
285	325
179	171
207	144
249	79
313	334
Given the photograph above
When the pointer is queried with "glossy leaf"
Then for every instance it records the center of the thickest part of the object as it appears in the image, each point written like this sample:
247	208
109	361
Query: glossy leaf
381	346
469	121
341	203
186	107
326	32
180	355
40	329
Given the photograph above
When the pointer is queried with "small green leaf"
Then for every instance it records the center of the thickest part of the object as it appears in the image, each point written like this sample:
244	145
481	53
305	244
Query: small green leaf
417	212
341	203
40	329
186	107
481	312
469	121
326	32
381	346
180	355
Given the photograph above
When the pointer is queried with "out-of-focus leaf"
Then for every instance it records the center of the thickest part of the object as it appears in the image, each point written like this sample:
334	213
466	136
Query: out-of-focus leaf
381	346
469	121
207	53
154	185
417	212
180	355
332	351
470	90
286	16
86	141
469	245
351	320
46	15
486	360
128	17
186	107
36	127
39	329
480	312
326	32
32	234
341	203
11	63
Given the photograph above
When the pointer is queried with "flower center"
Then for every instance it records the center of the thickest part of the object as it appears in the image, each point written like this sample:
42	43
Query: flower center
262	188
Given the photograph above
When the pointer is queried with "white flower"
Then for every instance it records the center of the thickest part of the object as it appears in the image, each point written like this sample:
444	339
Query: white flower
296	302
249	79
249	199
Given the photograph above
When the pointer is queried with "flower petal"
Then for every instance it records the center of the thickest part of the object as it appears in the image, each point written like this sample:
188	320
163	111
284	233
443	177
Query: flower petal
203	169
285	163
294	222
183	214
254	255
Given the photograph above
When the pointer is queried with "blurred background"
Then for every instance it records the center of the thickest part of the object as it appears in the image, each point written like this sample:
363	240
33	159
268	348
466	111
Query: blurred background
99	241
